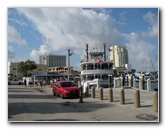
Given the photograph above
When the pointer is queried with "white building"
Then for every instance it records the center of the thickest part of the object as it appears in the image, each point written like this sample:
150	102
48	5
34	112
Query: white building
119	57
14	73
52	60
128	68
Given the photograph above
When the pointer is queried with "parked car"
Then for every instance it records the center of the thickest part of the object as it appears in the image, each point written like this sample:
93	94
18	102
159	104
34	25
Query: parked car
14	81
65	89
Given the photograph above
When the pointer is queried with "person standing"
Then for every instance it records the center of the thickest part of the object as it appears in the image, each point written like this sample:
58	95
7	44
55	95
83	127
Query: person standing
25	82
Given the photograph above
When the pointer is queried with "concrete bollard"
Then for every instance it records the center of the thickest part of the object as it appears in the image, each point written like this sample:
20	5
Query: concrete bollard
115	82
122	97
93	92
110	95
101	93
140	84
155	101
109	81
98	84
129	82
87	90
121	81
137	98
148	85
52	84
134	83
81	95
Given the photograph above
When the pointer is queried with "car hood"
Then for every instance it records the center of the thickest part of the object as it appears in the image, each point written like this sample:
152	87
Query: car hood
71	88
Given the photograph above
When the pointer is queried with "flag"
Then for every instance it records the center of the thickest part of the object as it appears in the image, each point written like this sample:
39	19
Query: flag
100	60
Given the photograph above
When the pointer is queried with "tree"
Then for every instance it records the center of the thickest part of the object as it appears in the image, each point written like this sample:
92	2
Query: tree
26	67
75	72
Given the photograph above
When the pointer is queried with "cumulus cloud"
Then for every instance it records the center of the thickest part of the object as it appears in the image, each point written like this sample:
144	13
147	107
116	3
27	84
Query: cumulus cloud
140	50
152	20
64	28
14	36
35	53
11	52
141	53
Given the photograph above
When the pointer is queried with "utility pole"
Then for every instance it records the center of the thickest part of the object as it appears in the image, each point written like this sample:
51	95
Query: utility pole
69	54
16	71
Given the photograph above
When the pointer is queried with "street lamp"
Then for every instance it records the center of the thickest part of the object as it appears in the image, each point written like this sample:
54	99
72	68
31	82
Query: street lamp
69	54
16	71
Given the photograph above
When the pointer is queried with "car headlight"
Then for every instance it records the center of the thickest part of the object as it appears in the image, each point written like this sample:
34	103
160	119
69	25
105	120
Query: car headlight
66	91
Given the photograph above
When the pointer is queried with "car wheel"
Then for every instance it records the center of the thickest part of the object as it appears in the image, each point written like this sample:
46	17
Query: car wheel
9	83
61	95
54	94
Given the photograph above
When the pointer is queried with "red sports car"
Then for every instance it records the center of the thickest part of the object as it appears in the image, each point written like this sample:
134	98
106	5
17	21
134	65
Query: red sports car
65	89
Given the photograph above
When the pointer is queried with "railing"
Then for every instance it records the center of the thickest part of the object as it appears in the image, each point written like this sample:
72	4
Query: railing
97	71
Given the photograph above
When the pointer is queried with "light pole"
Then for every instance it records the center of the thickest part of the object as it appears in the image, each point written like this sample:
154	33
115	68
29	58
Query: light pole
69	54
16	70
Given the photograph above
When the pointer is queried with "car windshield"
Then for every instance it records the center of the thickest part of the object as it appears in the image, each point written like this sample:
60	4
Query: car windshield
67	84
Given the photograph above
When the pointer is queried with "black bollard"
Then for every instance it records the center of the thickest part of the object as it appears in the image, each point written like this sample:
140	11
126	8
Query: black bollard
123	81
131	81
143	82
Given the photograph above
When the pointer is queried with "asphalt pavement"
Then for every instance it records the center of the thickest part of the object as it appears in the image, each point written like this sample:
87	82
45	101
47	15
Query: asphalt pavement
38	104
105	111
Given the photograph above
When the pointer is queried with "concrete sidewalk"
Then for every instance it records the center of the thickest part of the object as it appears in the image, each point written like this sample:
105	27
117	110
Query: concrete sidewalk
94	109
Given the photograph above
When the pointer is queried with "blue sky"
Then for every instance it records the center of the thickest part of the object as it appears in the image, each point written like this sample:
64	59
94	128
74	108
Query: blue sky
34	31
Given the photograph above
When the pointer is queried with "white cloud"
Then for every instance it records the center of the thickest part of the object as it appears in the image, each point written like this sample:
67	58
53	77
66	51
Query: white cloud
73	27
64	28
11	52
35	53
140	49
14	36
140	52
152	20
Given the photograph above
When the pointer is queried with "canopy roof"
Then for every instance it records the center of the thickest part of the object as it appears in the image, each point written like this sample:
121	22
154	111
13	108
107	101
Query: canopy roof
50	75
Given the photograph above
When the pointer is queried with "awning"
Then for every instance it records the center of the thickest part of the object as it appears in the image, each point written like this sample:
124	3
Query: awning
50	75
